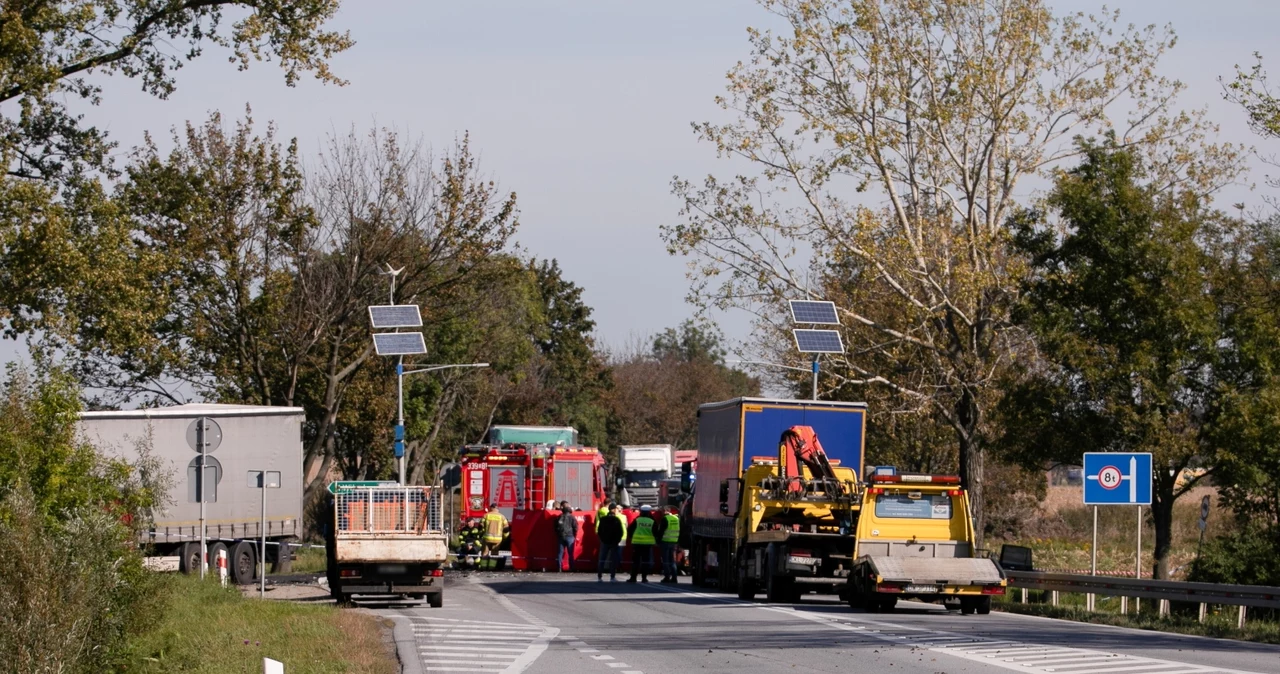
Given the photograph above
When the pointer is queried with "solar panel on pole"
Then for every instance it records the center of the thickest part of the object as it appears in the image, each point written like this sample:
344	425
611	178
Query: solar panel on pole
814	312
395	316
399	343
818	341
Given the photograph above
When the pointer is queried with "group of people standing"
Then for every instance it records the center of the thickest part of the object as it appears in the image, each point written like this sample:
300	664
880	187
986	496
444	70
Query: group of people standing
653	527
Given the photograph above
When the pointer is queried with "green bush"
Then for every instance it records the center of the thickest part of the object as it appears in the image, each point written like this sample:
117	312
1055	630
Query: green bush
72	586
1248	556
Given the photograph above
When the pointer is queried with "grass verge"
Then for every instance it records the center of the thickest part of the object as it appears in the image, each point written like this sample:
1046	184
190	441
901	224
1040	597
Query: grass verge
1221	625
307	560
210	630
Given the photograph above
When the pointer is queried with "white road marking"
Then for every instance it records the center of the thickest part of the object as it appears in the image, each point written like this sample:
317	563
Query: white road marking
453	645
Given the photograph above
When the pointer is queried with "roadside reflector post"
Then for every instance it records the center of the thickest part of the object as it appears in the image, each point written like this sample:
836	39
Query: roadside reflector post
1053	597
1204	611
1164	608
1024	595
222	567
1240	618
1124	606
270	666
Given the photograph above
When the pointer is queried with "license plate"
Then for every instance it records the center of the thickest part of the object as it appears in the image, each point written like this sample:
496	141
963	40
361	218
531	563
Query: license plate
921	589
391	569
803	560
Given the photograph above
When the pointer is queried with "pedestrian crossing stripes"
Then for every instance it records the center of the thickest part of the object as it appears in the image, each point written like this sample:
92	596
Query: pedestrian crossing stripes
1012	655
450	645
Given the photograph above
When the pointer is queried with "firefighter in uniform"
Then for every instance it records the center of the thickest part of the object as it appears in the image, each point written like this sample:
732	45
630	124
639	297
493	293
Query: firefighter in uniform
469	540
640	535
669	540
495	529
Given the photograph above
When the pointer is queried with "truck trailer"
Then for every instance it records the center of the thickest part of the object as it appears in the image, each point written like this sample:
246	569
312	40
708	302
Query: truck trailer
777	496
241	440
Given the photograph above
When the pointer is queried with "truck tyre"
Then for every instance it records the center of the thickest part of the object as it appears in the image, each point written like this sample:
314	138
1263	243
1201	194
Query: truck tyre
968	606
435	599
339	598
983	606
189	558
697	563
886	604
244	562
746	586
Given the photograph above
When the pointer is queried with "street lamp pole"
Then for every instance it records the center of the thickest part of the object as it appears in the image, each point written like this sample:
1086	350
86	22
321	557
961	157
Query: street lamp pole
401	373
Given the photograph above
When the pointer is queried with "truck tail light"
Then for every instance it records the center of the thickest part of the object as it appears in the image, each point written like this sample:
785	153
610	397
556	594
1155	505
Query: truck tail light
955	492
433	573
993	589
875	490
889	587
350	573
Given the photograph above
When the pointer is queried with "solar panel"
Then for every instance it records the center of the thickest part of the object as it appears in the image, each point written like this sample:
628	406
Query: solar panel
399	343
395	316
812	311
818	341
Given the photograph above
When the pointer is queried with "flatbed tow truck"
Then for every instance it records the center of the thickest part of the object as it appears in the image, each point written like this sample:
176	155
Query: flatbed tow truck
915	541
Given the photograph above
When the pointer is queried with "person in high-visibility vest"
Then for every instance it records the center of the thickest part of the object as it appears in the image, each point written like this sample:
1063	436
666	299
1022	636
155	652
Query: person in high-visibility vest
495	529
668	533
640	535
602	513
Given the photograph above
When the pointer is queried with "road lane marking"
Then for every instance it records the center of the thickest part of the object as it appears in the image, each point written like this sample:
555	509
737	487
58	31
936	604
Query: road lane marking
923	638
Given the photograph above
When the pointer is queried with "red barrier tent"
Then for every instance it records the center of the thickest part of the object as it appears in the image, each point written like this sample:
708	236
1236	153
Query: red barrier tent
534	542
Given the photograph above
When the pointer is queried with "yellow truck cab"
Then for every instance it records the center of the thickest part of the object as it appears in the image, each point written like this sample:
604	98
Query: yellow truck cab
915	540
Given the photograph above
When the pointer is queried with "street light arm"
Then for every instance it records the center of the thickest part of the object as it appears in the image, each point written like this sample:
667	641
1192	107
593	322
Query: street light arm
433	368
763	362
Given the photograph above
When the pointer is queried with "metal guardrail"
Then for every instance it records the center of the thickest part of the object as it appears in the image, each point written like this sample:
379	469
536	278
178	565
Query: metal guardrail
1164	591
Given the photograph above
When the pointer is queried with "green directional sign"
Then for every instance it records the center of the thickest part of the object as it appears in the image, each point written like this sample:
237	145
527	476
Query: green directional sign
348	485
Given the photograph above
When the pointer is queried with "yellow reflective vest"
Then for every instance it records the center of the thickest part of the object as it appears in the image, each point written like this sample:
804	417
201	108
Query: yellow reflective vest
643	535
672	533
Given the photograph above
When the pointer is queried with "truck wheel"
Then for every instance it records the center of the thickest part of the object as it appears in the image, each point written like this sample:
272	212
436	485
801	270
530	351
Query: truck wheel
886	604
213	549
967	606
780	590
435	599
340	598
189	558
746	586
983	606
243	563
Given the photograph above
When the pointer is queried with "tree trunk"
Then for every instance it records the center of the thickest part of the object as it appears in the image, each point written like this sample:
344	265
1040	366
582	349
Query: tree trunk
1162	519
971	456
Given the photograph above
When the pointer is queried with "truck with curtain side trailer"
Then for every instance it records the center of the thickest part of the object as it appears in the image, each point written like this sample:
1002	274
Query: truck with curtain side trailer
249	438
777	496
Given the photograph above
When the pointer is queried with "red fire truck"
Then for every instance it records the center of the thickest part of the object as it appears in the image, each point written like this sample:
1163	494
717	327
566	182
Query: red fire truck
523	467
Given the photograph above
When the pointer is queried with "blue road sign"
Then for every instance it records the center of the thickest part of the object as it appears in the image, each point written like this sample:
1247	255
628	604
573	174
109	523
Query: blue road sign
1117	479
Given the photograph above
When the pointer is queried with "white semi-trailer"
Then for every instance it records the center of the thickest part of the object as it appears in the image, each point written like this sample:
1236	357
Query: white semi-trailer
239	441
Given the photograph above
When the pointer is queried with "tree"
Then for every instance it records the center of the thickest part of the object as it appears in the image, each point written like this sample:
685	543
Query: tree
258	275
890	139
58	236
1118	300
656	393
1247	412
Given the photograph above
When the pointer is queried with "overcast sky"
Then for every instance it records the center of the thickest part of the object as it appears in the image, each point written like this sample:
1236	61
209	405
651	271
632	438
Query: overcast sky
583	108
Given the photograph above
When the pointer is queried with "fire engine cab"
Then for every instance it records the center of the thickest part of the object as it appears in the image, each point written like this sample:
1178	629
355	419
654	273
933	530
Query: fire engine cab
523	467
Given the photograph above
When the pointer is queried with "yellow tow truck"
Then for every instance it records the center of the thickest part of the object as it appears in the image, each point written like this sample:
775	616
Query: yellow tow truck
915	541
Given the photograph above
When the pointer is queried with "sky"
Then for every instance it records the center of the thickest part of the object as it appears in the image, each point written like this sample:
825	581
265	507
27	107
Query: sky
584	107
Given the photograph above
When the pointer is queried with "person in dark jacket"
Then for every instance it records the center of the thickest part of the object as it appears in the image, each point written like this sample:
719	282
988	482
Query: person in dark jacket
567	532
610	530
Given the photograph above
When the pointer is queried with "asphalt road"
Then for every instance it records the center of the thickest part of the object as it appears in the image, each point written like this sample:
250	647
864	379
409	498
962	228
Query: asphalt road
552	624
